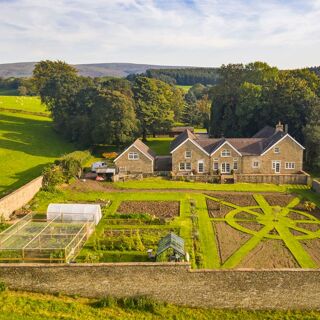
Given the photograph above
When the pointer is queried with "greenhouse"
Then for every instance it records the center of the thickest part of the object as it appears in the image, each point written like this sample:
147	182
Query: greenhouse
75	212
39	240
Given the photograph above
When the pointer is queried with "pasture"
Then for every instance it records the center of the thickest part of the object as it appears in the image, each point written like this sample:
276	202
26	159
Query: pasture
27	142
30	105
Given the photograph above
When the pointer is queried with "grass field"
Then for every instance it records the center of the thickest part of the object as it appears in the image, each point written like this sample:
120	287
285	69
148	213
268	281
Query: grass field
27	143
161	146
25	104
162	183
33	306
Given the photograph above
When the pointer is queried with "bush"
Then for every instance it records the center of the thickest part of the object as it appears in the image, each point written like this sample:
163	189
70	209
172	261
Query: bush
105	302
52	176
3	287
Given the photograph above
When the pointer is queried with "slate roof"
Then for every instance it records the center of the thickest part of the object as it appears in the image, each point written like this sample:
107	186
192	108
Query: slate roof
144	148
256	145
266	132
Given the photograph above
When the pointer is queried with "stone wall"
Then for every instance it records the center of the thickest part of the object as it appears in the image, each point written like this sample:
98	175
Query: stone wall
316	186
274	178
19	198
175	283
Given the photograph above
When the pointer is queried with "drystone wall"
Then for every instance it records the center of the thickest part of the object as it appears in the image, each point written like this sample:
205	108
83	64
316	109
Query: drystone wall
19	197
174	283
316	186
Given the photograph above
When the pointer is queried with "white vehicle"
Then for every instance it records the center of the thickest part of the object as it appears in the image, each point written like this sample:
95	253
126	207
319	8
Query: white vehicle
98	165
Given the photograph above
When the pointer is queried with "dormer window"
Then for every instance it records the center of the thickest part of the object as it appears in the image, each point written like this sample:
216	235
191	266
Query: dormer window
225	153
133	156
188	154
276	150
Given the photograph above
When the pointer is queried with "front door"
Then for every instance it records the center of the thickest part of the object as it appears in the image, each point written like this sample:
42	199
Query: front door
276	166
225	167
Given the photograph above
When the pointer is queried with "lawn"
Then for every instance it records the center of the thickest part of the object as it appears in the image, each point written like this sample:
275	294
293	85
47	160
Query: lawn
27	143
35	306
8	92
161	146
30	105
162	183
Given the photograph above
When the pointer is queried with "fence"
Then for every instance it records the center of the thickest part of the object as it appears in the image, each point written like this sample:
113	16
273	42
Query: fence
174	283
19	198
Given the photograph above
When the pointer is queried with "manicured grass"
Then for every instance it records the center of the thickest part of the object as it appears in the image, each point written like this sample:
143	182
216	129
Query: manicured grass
162	183
33	306
24	104
200	130
27	143
184	88
161	146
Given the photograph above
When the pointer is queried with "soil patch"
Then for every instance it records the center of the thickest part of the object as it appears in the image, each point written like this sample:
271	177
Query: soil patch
217	209
245	215
281	200
296	216
309	226
159	209
313	248
301	207
243	200
269	254
228	239
252	225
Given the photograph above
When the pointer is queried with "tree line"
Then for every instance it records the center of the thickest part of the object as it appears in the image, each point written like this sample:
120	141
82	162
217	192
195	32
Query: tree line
248	97
185	76
110	111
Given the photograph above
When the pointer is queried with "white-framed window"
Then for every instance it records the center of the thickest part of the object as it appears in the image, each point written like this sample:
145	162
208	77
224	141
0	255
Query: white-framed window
200	166
276	166
188	154
235	165
255	164
185	166
225	153
276	150
133	156
225	167
235	159
290	165
215	159
216	165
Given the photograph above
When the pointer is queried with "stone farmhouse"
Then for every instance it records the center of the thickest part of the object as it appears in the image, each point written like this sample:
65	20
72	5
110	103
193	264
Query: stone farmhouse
270	152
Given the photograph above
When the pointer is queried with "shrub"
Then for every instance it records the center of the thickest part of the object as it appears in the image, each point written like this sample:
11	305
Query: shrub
110	155
52	176
3	287
105	302
310	206
142	303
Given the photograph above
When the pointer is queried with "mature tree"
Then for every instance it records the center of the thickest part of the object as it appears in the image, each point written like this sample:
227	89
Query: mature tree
154	105
114	119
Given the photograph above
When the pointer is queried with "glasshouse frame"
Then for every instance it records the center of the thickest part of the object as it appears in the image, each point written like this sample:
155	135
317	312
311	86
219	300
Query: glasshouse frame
41	240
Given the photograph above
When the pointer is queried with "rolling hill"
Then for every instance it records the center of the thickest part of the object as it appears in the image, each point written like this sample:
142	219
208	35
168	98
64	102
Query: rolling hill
24	69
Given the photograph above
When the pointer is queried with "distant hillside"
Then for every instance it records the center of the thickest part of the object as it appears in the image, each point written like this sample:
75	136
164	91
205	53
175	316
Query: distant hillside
24	69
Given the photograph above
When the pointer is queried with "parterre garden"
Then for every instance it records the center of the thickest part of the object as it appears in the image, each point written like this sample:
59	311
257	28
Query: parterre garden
221	229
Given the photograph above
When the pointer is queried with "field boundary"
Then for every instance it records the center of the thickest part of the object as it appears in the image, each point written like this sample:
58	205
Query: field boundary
20	197
172	282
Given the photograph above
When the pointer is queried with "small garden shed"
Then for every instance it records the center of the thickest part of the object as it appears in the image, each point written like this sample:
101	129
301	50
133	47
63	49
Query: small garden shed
171	246
74	212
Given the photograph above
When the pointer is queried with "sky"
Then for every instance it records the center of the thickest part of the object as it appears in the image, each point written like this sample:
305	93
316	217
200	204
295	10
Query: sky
283	33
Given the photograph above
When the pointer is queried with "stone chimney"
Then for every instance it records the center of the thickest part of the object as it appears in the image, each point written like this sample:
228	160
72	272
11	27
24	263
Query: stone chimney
279	127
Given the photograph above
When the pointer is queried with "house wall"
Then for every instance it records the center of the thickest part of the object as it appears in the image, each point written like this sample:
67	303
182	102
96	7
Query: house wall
234	155
289	152
197	154
174	283
142	165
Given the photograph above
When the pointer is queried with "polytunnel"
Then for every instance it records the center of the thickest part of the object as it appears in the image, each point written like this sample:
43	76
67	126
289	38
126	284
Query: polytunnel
74	212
